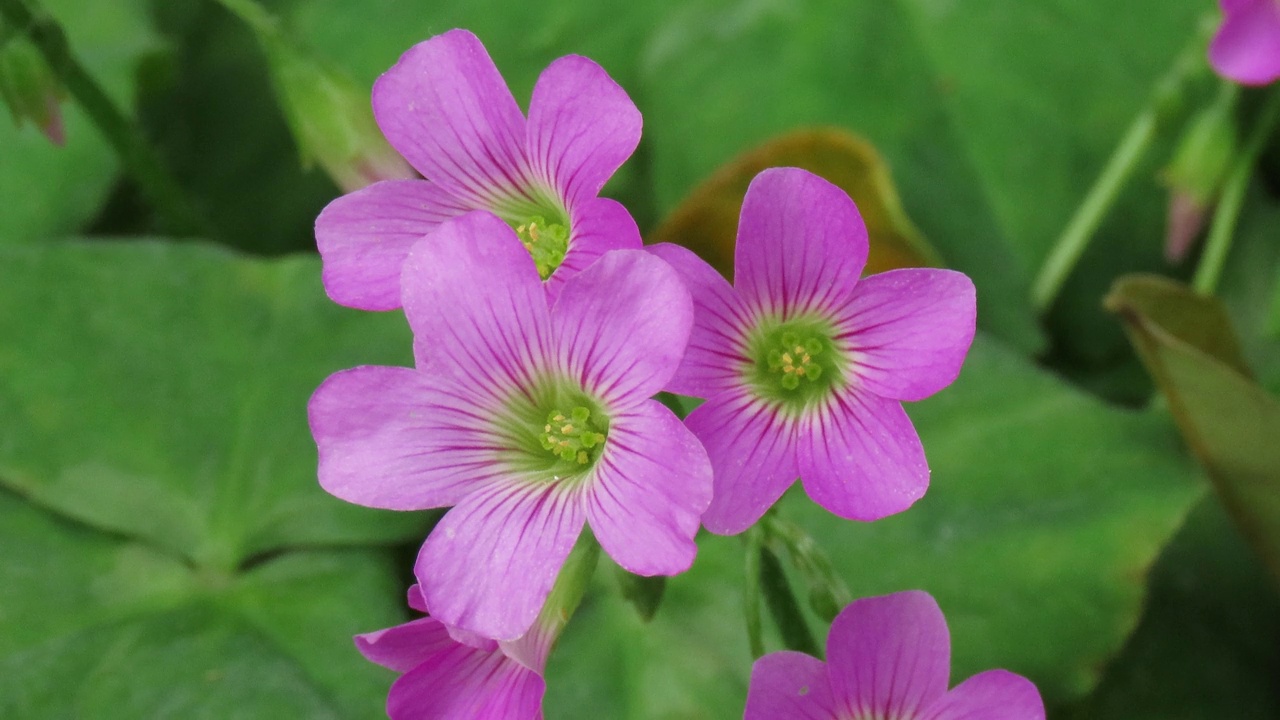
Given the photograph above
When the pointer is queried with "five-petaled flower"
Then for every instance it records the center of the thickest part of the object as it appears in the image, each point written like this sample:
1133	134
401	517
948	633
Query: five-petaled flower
529	420
888	658
1246	48
447	110
803	365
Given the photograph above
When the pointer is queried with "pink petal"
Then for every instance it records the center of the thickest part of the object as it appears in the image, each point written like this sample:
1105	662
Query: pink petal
1247	46
752	449
909	331
582	127
489	564
364	237
392	438
801	243
475	302
649	492
622	326
467	684
716	353
445	108
861	458
598	225
889	656
992	695
789	685
404	647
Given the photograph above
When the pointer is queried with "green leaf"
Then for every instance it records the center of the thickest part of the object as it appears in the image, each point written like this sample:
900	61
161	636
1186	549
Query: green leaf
93	625
1208	642
1230	423
644	593
185	561
1045	511
160	392
110	39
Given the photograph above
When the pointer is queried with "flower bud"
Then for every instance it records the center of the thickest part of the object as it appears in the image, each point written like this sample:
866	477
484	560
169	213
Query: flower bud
1197	171
30	88
331	119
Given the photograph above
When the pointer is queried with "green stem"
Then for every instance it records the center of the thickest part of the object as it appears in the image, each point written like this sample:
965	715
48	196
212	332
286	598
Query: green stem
783	605
253	15
1115	175
176	214
1223	229
751	592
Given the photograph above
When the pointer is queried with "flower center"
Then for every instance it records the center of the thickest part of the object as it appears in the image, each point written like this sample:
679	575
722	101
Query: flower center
546	241
572	436
552	431
796	362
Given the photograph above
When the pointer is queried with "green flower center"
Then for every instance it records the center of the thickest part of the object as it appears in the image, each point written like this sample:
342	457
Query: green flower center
572	436
553	431
795	363
546	240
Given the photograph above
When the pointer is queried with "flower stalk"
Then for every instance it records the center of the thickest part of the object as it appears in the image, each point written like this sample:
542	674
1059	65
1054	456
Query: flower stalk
1222	231
177	214
1162	106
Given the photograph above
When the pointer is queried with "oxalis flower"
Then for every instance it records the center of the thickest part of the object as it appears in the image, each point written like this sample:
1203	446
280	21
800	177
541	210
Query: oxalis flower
803	365
447	110
530	421
458	678
447	674
888	658
1246	48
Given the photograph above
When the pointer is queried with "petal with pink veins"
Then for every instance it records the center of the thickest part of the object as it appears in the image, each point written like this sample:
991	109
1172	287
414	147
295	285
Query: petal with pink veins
365	236
801	244
649	491
490	563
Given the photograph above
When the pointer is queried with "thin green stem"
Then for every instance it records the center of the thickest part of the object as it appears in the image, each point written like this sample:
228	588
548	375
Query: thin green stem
1231	202
783	605
176	213
751	591
1120	167
253	14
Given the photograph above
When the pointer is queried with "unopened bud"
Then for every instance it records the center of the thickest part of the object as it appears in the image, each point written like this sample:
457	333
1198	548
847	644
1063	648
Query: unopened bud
1198	170
331	119
30	88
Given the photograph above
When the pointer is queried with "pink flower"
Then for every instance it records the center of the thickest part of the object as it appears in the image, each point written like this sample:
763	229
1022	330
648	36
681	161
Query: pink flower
445	108
1247	46
803	365
530	421
447	675
888	658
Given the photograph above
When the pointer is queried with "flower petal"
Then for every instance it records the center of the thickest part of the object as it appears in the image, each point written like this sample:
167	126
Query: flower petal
789	685
447	110
889	656
404	647
909	331
467	684
476	305
992	695
1247	46
489	564
801	243
752	449
598	225
392	438
649	492
861	458
364	237
582	127
622	326
716	349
